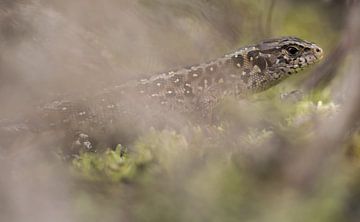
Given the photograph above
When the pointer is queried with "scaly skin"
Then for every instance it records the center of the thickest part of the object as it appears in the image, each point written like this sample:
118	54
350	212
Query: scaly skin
196	89
247	70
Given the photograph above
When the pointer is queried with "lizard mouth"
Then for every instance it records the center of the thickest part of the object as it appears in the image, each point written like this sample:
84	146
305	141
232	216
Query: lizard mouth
318	57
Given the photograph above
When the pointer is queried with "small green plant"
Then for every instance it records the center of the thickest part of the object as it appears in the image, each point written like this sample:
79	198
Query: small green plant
111	165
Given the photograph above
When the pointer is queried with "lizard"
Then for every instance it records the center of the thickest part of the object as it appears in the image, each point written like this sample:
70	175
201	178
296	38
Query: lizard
194	89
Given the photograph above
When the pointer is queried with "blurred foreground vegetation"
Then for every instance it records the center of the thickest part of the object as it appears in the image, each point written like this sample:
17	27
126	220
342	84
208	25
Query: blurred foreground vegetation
241	169
262	161
166	176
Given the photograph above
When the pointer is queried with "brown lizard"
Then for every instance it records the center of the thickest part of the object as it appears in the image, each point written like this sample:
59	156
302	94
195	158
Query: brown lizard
195	89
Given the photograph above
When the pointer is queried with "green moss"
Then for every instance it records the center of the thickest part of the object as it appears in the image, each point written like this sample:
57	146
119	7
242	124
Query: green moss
157	148
112	165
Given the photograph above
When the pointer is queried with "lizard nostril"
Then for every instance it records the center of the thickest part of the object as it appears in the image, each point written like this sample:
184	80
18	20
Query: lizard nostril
319	50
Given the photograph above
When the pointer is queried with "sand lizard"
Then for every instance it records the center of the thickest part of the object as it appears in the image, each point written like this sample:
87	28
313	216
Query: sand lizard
195	89
248	70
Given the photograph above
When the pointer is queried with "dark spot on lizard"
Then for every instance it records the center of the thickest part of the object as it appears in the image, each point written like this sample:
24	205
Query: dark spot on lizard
260	62
238	60
253	54
283	60
271	69
268	62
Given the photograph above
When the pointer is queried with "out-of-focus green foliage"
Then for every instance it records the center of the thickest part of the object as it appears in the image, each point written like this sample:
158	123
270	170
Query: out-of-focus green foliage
196	178
235	169
161	149
112	165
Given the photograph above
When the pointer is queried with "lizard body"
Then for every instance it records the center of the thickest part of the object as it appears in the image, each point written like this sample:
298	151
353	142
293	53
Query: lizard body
195	89
248	70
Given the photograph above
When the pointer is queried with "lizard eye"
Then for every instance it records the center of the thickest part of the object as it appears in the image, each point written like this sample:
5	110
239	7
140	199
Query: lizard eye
292	50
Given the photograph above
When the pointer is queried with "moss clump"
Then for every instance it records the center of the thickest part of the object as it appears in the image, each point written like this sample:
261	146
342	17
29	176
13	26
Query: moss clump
111	165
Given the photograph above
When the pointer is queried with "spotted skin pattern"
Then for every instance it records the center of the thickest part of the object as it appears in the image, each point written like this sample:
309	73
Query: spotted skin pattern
248	70
196	89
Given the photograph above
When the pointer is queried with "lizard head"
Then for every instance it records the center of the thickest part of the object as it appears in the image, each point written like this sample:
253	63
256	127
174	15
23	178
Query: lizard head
288	55
268	63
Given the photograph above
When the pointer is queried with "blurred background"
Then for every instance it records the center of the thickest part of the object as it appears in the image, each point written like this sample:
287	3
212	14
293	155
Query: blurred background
281	155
